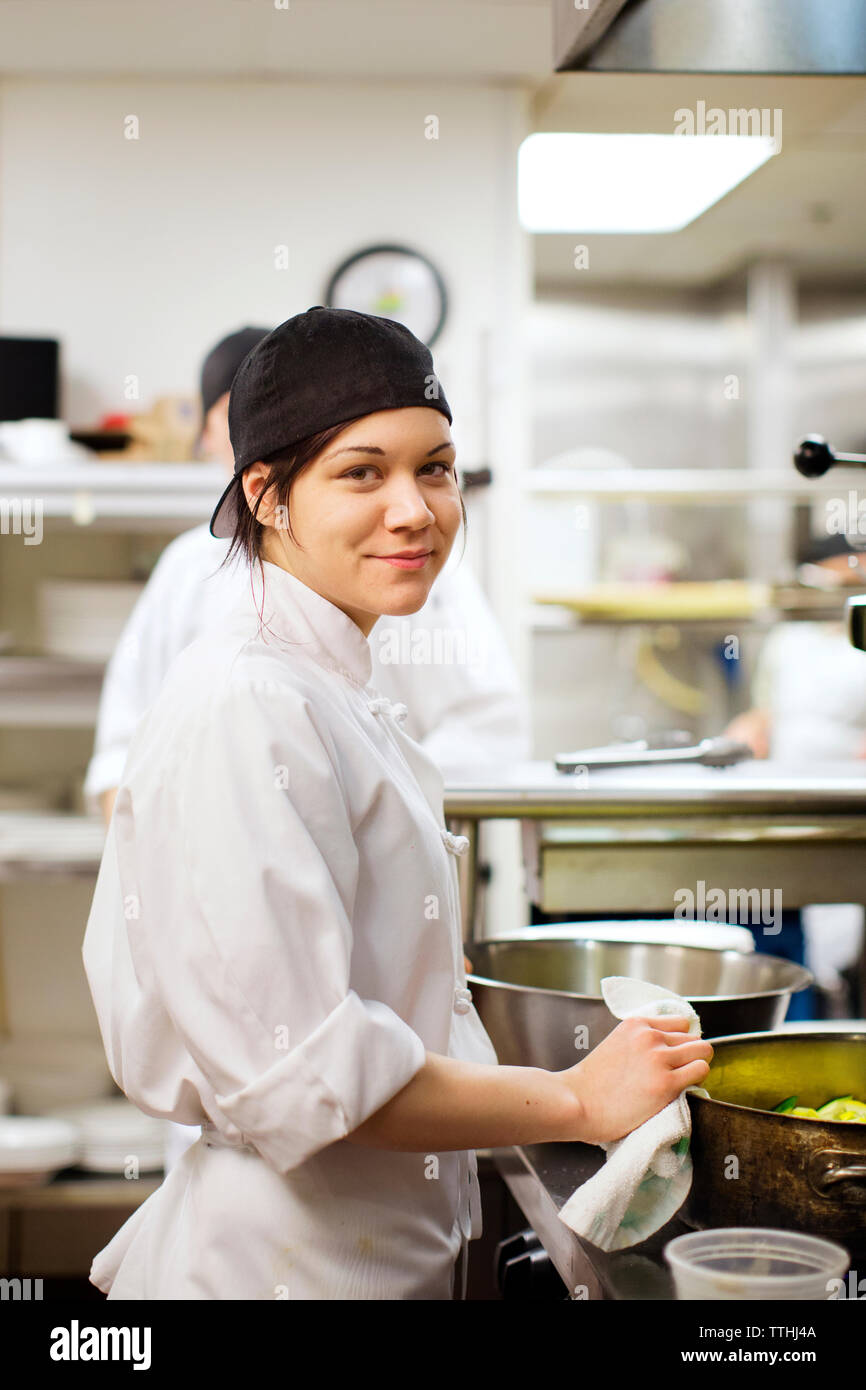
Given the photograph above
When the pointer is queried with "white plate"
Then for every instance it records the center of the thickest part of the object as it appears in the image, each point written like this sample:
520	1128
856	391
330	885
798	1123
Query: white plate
31	1143
147	1163
113	1131
113	1122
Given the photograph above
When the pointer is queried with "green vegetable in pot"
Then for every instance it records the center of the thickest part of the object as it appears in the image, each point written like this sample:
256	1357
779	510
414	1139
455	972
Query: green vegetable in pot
786	1105
844	1108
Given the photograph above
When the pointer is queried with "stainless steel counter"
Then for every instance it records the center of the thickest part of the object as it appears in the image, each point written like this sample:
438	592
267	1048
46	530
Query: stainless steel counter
536	789
541	1178
628	840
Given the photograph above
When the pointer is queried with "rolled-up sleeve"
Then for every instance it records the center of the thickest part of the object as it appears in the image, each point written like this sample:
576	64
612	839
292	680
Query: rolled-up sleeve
245	869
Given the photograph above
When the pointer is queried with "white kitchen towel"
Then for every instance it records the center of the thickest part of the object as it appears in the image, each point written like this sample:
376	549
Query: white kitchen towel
648	1173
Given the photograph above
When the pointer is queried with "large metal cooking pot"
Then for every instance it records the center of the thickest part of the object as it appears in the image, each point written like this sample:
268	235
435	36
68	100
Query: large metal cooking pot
753	1168
532	995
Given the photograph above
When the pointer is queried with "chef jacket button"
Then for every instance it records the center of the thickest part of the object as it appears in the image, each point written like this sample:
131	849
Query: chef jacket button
462	1000
455	844
382	705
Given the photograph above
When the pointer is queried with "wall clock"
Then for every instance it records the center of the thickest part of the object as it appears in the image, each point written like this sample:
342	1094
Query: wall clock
394	282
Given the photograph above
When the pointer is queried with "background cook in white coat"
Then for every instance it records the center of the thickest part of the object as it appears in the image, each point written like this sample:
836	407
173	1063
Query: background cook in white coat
809	707
809	687
191	988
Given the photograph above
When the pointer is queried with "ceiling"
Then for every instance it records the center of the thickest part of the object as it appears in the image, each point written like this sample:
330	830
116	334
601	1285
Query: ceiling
807	204
482	40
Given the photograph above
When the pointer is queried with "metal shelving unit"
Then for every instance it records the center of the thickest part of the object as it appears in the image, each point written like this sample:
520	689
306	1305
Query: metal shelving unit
49	692
147	496
690	486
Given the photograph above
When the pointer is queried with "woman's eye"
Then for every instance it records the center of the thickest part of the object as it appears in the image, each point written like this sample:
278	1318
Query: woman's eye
359	474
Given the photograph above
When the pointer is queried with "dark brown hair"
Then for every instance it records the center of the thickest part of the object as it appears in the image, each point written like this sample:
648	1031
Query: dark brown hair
286	465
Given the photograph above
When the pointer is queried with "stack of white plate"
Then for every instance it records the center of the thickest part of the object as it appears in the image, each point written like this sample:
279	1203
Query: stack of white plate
84	619
33	1149
115	1137
44	1070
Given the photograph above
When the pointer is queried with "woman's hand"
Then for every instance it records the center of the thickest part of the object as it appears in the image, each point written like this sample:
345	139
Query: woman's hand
636	1071
467	964
753	728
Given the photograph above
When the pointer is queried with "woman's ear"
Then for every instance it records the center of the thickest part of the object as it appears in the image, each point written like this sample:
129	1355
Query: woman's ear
253	480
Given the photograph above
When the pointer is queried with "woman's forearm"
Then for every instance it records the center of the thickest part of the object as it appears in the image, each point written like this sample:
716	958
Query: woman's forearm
642	1065
453	1104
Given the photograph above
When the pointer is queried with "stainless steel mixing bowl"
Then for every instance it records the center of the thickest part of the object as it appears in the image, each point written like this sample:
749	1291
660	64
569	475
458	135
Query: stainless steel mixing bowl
540	1000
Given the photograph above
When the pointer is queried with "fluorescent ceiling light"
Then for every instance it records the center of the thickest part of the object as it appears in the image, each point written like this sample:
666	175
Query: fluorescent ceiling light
629	183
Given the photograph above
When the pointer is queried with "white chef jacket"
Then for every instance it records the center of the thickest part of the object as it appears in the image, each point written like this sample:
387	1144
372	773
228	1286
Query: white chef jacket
465	709
273	944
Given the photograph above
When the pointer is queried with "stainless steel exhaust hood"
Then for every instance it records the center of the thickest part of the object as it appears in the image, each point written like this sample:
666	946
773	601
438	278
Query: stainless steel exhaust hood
799	37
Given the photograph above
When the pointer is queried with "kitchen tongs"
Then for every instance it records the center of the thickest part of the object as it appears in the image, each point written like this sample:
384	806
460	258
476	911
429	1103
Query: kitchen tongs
710	752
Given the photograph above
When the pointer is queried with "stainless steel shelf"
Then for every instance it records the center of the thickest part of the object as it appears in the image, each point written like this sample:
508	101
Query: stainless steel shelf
692	486
39	844
85	494
49	692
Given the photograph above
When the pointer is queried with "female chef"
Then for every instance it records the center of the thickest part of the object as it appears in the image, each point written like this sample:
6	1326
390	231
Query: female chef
273	947
461	712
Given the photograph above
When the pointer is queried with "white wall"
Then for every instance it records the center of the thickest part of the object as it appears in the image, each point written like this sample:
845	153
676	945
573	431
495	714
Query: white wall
139	254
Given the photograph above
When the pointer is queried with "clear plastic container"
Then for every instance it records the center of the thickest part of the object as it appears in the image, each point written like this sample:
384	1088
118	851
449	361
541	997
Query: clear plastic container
750	1262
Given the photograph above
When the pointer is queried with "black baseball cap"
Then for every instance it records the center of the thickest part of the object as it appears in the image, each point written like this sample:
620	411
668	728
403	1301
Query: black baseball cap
219	367
318	369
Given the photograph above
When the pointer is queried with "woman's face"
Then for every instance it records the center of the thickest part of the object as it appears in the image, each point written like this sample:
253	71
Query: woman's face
386	484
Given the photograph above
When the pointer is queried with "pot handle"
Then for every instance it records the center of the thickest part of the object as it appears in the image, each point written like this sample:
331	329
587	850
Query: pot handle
828	1167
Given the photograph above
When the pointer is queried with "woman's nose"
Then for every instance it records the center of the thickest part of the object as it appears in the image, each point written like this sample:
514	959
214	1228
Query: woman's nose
406	507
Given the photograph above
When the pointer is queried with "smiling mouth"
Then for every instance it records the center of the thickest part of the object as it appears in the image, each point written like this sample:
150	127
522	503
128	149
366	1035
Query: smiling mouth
405	562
